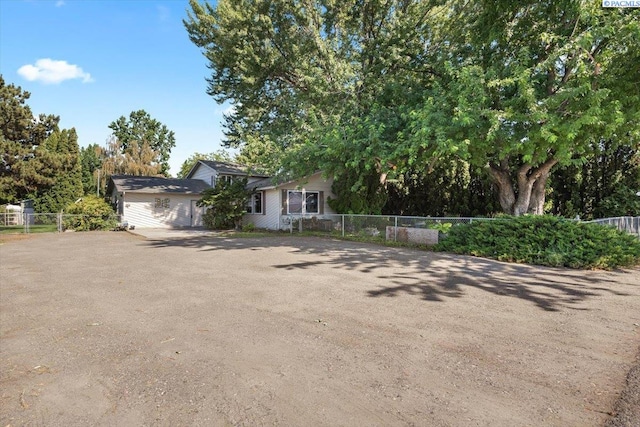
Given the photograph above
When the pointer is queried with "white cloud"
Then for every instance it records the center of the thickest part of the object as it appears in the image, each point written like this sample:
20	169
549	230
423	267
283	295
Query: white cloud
50	71
60	3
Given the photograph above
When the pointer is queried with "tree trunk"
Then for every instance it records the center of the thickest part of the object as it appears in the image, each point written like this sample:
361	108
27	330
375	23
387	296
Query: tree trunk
506	195
531	185
538	195
525	186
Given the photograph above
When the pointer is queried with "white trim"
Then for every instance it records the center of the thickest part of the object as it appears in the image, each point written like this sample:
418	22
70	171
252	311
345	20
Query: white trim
252	206
303	208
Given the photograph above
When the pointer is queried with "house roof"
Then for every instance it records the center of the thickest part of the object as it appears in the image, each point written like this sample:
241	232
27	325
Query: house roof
226	168
261	184
152	184
273	182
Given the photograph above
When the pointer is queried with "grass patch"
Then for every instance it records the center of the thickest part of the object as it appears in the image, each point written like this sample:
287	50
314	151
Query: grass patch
544	240
40	228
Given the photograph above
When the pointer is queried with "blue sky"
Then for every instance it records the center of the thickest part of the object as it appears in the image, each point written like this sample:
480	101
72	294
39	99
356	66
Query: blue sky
92	61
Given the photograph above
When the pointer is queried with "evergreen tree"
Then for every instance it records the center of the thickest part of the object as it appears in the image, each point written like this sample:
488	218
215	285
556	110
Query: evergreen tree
91	158
25	166
62	148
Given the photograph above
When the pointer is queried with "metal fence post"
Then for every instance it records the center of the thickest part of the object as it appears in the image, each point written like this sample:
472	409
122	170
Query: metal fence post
342	225
395	229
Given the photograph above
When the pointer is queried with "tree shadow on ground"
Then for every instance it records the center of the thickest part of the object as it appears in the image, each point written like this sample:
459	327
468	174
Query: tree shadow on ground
428	275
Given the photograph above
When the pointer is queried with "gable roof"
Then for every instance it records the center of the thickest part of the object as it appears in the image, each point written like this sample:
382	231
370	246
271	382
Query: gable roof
226	168
261	184
153	184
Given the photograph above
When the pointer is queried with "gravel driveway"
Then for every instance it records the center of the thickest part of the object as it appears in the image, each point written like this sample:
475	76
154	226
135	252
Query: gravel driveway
115	329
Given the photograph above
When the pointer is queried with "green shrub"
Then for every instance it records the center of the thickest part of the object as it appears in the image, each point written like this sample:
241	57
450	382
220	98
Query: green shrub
248	228
226	203
442	227
544	240
90	213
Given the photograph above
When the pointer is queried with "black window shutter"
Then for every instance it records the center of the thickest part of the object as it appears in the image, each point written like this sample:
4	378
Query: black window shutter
321	203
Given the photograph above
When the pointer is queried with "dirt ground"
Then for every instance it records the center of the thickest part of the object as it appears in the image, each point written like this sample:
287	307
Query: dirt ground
114	329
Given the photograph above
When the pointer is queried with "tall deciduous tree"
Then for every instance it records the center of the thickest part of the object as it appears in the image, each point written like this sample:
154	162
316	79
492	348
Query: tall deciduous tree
290	66
25	166
145	140
530	85
390	87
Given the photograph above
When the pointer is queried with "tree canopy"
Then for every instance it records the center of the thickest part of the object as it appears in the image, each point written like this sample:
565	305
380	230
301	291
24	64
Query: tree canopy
143	141
384	88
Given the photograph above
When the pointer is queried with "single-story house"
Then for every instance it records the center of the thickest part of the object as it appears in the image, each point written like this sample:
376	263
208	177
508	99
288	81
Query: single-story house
155	202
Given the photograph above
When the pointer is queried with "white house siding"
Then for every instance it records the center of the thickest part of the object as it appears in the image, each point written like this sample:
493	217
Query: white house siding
140	211
204	173
272	219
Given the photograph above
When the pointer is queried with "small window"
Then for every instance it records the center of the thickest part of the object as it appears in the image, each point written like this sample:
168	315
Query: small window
221	178
254	205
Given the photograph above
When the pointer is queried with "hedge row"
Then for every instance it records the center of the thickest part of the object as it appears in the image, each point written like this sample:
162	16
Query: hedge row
544	240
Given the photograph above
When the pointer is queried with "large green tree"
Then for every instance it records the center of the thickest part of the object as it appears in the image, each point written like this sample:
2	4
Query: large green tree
389	87
530	85
25	165
138	136
290	66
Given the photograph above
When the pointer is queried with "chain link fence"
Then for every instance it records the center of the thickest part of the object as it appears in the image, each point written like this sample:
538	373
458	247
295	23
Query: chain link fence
359	227
373	227
15	223
395	228
630	224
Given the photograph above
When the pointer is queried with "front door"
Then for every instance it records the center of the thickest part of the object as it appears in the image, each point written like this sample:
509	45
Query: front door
196	214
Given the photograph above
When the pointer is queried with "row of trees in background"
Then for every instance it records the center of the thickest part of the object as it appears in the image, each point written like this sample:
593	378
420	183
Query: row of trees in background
41	162
434	107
